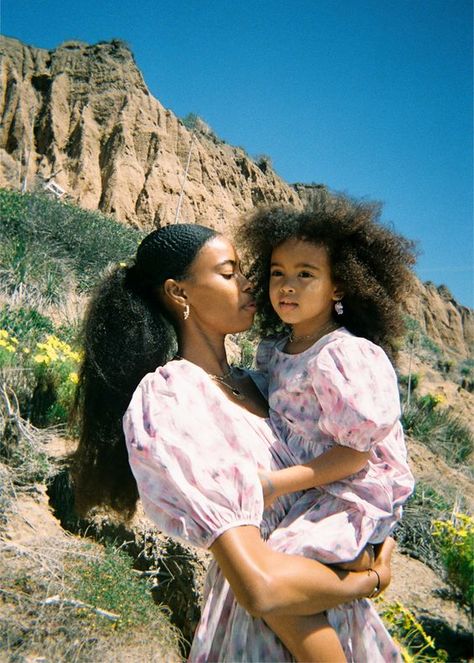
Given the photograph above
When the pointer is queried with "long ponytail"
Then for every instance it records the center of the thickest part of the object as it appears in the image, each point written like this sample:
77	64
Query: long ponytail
127	333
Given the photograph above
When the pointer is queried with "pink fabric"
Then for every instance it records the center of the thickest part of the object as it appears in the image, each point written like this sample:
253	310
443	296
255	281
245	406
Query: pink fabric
195	456
341	391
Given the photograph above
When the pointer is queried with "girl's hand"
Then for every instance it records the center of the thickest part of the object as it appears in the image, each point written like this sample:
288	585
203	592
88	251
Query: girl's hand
268	488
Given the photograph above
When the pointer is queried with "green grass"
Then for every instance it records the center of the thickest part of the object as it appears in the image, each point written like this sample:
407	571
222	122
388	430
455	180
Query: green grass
48	246
439	429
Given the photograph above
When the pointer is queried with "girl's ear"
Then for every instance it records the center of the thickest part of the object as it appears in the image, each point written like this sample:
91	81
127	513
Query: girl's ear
174	292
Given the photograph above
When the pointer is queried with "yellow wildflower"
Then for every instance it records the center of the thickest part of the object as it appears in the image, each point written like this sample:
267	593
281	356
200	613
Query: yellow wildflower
74	377
3	343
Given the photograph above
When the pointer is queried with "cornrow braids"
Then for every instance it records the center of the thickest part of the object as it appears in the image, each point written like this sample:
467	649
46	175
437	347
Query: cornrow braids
127	333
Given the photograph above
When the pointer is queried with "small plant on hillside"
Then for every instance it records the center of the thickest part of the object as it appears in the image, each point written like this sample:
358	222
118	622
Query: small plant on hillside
454	539
442	431
416	645
414	532
56	373
109	583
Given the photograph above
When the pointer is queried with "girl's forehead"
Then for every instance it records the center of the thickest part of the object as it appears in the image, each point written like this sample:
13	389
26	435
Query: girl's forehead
295	246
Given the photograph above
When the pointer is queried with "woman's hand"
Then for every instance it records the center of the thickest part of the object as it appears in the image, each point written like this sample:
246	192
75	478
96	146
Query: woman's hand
383	560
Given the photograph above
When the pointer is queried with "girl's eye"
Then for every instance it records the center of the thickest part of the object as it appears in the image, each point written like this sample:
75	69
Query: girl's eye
276	272
305	275
229	276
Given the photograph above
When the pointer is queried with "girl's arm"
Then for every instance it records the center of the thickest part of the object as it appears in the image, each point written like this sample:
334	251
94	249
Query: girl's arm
267	582
333	465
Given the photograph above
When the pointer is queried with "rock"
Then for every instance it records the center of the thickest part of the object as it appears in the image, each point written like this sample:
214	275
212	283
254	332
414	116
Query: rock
83	116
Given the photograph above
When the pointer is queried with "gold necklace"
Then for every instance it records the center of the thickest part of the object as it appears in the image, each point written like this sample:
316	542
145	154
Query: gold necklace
222	380
236	392
325	329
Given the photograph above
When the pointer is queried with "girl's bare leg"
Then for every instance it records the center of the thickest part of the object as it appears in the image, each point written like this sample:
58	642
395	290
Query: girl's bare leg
309	638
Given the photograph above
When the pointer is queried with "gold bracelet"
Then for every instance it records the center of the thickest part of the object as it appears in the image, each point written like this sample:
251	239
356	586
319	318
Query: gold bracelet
376	589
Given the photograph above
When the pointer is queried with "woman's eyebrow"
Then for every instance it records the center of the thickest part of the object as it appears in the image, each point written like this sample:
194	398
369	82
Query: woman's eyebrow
224	263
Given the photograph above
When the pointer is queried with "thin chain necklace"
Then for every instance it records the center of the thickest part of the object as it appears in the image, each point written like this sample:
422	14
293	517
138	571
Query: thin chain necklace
325	329
222	380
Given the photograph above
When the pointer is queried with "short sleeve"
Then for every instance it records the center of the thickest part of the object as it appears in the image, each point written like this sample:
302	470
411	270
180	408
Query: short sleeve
194	478
357	390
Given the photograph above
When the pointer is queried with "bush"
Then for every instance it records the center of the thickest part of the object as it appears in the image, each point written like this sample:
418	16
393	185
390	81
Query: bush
439	429
416	645
46	243
414	531
109	583
56	372
454	539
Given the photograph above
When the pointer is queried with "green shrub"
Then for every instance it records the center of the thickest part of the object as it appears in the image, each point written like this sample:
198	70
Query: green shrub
48	243
439	429
455	541
56	367
416	645
414	531
109	583
25	323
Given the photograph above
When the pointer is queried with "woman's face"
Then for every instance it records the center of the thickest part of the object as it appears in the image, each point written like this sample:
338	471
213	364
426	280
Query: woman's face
218	294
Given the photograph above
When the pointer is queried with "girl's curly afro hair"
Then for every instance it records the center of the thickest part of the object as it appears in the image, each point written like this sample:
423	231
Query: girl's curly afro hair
371	263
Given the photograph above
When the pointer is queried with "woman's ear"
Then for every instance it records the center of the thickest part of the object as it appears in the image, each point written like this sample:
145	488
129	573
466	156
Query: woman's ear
338	293
174	292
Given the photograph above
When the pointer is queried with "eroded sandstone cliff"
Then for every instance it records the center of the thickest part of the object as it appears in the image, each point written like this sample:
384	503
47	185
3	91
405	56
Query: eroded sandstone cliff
83	117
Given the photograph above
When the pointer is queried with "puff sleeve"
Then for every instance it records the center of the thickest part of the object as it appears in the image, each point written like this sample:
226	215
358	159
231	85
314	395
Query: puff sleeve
194	476
357	390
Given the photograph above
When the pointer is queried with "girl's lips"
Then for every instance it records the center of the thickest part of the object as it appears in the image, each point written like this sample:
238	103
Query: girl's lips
287	305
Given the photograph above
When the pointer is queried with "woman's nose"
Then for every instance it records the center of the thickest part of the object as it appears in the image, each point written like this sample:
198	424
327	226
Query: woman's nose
247	285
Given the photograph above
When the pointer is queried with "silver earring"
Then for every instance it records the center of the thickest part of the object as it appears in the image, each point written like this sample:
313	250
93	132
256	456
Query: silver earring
186	312
339	308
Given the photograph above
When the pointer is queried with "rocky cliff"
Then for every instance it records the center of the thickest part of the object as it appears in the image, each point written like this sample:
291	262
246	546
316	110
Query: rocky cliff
82	117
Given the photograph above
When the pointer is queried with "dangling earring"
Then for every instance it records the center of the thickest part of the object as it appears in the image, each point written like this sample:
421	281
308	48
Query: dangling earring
186	312
339	308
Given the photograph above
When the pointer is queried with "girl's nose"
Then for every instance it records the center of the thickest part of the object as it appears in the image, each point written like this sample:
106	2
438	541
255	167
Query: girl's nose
287	287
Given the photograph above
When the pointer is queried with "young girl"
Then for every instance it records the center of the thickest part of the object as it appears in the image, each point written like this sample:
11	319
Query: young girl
335	278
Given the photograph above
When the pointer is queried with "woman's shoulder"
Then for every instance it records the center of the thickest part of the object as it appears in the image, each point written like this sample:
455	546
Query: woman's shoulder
173	381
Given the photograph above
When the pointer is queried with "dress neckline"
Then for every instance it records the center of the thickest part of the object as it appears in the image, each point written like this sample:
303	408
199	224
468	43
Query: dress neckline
222	394
281	343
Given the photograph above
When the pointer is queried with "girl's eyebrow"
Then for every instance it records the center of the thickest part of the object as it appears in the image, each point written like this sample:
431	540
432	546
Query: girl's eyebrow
224	263
300	265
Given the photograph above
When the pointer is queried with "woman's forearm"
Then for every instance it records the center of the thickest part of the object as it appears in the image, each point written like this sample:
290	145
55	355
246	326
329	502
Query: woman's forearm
268	582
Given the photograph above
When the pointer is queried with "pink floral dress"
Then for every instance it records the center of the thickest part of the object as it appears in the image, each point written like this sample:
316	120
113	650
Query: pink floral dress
196	456
341	391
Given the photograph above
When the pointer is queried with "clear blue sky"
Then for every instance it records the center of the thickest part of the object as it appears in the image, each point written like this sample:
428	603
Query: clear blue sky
370	97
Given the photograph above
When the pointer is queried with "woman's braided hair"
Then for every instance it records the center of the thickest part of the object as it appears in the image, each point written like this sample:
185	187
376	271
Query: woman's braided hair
127	333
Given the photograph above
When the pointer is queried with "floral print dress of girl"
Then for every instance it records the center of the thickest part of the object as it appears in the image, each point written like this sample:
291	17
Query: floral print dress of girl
196	457
340	391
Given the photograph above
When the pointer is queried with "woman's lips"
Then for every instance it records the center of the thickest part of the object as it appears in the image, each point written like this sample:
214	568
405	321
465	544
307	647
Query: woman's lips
251	306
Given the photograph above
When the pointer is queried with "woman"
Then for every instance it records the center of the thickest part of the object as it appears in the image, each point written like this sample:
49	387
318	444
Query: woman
197	436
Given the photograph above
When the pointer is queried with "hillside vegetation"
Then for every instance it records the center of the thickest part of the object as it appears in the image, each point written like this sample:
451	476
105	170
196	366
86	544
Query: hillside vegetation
77	584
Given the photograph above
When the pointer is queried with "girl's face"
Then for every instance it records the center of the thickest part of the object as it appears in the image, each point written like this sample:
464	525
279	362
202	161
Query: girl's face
219	295
302	291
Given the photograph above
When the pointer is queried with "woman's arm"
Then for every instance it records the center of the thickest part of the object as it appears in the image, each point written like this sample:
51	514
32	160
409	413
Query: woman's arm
333	465
266	582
